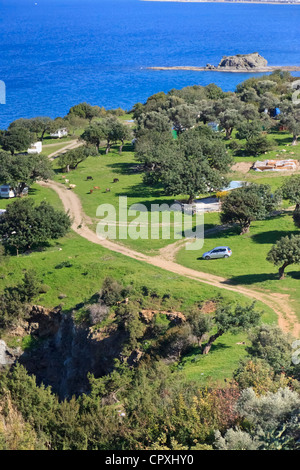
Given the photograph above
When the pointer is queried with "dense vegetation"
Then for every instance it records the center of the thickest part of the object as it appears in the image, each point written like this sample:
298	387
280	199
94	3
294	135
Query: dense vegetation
152	393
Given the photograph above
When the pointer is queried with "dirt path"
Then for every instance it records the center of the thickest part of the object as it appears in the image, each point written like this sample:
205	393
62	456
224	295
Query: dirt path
46	146
279	303
69	146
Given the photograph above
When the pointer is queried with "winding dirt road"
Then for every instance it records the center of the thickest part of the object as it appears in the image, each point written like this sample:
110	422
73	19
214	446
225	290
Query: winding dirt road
70	146
279	303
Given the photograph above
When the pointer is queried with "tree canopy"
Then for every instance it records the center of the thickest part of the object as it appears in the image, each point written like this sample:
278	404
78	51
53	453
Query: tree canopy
244	205
25	225
16	139
109	129
285	252
72	158
20	171
195	163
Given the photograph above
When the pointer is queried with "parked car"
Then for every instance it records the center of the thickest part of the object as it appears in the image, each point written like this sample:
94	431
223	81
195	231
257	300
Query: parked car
218	252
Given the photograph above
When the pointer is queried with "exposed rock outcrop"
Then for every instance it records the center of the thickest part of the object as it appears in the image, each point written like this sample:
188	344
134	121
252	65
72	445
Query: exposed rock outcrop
253	62
174	317
67	352
244	61
8	355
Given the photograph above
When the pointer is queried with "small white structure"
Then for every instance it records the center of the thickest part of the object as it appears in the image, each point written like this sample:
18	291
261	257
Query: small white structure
60	133
35	148
2	212
6	192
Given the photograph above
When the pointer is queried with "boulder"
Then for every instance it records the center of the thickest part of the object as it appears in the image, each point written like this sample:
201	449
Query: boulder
243	61
7	355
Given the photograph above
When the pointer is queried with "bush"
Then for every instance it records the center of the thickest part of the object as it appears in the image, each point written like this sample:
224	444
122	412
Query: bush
273	345
258	145
296	217
112	292
64	264
97	312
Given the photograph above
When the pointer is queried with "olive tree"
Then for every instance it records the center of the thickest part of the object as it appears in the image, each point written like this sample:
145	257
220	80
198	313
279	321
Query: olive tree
284	253
291	190
20	171
246	204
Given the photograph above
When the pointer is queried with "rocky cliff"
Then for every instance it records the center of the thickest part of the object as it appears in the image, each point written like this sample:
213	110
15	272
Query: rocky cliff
243	61
64	352
8	355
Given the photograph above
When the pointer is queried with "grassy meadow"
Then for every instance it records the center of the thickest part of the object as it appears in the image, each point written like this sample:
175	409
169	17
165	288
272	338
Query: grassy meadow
72	269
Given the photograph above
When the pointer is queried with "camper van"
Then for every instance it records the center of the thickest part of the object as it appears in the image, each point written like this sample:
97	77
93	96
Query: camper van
35	148
6	192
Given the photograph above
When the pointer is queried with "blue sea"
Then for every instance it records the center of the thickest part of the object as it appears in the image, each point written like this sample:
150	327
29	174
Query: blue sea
57	53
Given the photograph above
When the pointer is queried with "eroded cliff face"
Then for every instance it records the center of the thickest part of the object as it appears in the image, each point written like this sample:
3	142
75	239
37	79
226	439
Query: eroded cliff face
8	355
65	352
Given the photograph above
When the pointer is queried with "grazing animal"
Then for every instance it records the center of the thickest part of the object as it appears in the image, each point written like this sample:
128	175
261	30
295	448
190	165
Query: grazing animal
96	187
107	190
89	178
116	180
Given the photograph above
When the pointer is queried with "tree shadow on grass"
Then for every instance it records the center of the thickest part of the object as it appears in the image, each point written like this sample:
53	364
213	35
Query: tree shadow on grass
32	191
140	190
248	279
12	251
126	168
293	274
272	237
226	233
196	355
127	147
282	141
196	351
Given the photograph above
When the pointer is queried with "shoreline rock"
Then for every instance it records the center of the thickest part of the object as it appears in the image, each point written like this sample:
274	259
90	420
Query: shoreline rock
243	61
240	63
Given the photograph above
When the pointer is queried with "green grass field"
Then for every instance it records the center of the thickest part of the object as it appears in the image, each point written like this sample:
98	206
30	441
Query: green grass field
248	265
282	148
104	169
89	264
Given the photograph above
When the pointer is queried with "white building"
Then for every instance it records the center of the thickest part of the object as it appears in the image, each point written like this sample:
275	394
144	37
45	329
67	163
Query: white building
35	148
60	133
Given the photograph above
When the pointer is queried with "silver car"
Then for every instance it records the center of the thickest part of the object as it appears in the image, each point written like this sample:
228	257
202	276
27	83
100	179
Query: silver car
218	252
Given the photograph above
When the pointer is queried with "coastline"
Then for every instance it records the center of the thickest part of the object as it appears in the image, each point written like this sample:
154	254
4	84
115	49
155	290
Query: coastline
271	68
257	2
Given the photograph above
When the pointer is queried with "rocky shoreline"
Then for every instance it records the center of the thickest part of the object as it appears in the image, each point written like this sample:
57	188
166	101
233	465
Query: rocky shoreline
240	63
271	68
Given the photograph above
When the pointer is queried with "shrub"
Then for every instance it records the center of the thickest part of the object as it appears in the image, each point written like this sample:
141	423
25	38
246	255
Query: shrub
258	145
97	312
112	292
296	217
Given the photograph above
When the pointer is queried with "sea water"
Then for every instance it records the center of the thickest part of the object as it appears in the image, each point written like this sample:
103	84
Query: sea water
57	53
